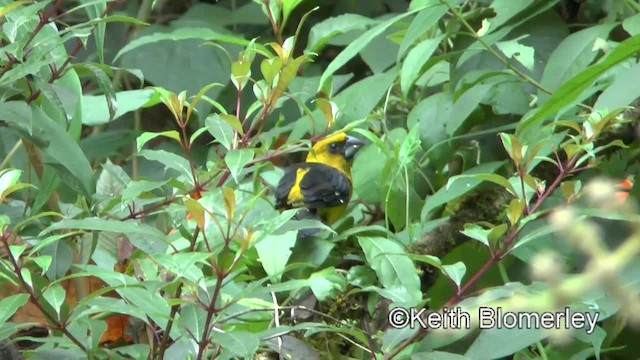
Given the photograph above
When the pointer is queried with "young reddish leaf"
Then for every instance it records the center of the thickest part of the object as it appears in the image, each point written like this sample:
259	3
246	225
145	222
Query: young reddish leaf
229	202
196	210
198	97
329	110
233	121
270	69
240	72
515	210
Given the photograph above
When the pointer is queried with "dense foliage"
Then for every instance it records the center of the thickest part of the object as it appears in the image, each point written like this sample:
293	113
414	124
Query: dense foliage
141	142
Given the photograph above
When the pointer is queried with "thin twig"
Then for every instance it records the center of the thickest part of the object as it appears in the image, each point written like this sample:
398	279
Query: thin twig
35	299
276	318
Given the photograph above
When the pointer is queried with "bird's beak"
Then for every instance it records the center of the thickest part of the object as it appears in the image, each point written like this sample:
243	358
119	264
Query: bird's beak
352	146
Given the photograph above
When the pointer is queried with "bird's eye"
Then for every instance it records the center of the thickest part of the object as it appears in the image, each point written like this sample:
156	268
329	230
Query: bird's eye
333	146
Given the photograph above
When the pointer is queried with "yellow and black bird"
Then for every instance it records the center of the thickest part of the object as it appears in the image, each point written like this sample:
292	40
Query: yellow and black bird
322	185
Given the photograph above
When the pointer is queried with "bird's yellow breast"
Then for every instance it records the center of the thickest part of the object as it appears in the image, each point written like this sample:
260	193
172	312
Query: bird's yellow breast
332	214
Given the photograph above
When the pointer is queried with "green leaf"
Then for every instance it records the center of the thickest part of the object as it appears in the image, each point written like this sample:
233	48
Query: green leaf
59	101
109	304
143	236
135	188
322	32
118	19
11	7
233	121
66	153
11	304
98	147
494	178
572	89
62	257
183	33
632	25
432	113
8	179
477	232
237	159
148	301
105	85
353	105
367	173
148	245
313	251
496	343
274	252
96	108
111	181
458	188
596	339
466	103
515	50
422	23
351	102
16	251
622	92
412	67
55	296
501	26
428	259
171	161
26	275
221	130
287	75
392	265
146	136
196	100
270	68
455	272
506	10
193	318
50	239
43	262
438	355
95	12
184	264
240	73
533	235
290	347
579	48
356	46
288	6
410	146
17	113
240	343
361	276
326	282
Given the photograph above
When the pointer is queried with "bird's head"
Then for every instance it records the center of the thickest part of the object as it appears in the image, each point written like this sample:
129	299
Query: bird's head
337	151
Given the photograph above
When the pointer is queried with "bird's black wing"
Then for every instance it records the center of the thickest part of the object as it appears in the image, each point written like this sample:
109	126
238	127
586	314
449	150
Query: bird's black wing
324	186
321	187
285	184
